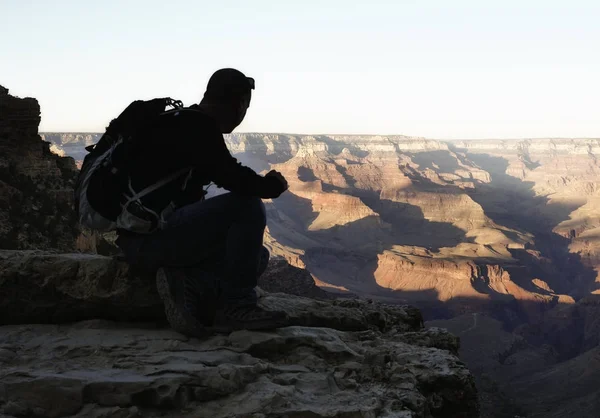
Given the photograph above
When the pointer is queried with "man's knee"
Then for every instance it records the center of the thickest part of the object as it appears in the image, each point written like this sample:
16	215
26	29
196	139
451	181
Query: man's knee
253	208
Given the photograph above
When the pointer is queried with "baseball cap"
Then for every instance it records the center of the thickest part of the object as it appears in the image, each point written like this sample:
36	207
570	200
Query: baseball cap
228	83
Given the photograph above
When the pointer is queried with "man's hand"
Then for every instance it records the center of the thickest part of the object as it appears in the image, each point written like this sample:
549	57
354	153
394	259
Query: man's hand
277	184
279	176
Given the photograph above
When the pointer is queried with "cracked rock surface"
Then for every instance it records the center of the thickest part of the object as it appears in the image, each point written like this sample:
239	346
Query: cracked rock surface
377	362
85	337
46	287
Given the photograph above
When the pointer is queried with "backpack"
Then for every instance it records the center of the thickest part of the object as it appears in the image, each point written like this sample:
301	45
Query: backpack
104	197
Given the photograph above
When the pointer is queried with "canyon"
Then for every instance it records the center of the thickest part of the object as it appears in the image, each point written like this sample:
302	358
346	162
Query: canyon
496	240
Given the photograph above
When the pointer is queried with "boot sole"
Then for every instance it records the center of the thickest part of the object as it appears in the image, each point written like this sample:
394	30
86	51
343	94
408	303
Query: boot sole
175	317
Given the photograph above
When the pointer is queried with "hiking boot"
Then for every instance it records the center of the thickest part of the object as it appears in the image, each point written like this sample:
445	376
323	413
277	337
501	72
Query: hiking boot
249	317
180	297
263	261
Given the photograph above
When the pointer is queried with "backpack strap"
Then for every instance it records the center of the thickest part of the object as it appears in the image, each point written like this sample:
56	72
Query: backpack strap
137	196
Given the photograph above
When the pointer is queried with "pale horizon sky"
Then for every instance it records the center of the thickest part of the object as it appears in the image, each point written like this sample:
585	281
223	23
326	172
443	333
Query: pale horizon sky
431	68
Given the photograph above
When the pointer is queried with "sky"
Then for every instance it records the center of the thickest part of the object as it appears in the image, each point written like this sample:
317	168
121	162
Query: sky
433	68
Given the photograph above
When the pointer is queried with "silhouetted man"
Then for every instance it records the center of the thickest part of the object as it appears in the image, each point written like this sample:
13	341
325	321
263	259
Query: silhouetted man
209	252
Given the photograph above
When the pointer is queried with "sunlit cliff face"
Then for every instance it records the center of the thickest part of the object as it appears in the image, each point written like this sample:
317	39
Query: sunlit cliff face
57	150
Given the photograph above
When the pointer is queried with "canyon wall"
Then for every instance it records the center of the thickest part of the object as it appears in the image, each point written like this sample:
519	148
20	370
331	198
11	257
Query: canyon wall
530	206
36	185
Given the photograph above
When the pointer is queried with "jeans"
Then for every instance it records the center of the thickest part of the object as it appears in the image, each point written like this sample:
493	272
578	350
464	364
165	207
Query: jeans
221	236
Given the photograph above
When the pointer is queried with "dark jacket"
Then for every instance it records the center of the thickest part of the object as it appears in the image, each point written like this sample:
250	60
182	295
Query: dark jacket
189	138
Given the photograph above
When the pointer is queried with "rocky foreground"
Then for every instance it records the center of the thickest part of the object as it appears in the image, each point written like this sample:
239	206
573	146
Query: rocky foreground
338	358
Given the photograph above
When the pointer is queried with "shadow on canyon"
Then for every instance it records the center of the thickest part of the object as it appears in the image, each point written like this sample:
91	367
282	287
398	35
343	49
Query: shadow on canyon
347	255
439	161
512	202
517	206
509	201
336	147
396	223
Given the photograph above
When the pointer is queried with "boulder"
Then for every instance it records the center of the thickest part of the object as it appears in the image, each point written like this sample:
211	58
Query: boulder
45	287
